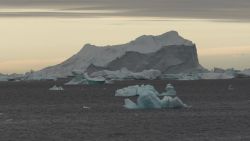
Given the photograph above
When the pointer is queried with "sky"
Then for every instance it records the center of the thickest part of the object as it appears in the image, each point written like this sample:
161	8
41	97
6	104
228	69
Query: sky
38	33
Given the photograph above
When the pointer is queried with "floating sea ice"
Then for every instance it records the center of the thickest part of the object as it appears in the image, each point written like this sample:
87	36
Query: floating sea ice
86	107
82	79
135	90
4	77
148	99
169	102
128	91
144	101
77	80
55	88
147	88
130	104
170	91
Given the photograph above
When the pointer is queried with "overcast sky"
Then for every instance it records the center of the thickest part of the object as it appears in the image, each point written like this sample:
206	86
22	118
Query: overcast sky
40	33
237	10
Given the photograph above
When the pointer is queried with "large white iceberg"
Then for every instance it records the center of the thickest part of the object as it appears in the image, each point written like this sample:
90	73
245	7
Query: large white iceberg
126	74
149	99
102	56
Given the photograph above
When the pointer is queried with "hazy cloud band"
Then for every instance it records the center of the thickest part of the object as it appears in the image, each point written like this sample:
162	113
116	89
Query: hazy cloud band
201	9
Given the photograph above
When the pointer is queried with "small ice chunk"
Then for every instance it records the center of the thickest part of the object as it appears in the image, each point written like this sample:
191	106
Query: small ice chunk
55	88
130	104
170	91
85	107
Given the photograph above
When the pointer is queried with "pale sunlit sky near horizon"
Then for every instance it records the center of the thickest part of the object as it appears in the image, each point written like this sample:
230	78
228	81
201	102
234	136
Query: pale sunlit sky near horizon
39	33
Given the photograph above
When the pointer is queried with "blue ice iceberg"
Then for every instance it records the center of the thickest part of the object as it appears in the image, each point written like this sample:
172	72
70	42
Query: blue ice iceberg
148	99
170	91
169	102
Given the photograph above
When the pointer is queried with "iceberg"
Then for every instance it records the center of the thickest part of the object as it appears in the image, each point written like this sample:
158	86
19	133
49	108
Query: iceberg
124	73
244	73
55	88
170	91
130	104
81	79
181	76
95	80
31	76
77	80
169	102
85	107
213	75
167	52
11	77
4	77
219	74
149	98
135	90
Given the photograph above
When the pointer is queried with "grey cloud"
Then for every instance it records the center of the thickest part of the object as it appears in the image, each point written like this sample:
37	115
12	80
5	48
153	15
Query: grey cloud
52	14
237	10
